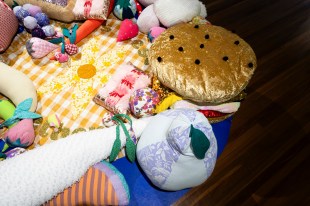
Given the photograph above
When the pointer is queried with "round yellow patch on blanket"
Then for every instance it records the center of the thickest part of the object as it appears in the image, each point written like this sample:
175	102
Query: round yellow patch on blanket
86	71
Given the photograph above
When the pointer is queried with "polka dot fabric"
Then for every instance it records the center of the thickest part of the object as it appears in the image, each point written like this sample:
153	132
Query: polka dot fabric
8	26
202	63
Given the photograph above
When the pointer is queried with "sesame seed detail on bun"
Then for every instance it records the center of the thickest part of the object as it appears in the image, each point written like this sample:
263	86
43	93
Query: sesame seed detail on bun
202	63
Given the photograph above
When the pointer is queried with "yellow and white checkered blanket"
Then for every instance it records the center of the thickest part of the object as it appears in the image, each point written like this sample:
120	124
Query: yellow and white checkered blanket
61	91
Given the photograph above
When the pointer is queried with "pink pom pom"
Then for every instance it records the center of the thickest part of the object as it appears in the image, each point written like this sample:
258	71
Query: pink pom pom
34	10
30	22
48	30
155	32
38	32
42	19
27	6
21	135
21	14
16	9
61	57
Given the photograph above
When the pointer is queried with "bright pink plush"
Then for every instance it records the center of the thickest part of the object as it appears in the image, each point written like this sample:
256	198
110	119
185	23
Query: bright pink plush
22	134
155	32
38	48
128	30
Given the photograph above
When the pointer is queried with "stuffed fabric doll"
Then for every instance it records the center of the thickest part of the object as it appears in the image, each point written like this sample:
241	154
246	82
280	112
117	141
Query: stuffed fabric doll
169	13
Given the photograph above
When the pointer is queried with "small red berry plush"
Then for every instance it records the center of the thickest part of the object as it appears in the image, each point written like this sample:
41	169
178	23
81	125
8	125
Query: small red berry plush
71	49
127	30
61	57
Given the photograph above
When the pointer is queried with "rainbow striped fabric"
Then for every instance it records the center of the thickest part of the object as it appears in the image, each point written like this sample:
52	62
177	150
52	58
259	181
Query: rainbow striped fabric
103	184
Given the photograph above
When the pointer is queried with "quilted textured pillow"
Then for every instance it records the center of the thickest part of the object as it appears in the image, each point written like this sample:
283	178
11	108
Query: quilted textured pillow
8	26
169	148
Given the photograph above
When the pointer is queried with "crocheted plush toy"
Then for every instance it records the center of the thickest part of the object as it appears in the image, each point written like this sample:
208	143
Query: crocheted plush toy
169	13
34	20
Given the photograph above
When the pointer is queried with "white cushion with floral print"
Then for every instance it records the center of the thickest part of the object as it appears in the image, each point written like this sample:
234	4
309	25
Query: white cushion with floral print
165	152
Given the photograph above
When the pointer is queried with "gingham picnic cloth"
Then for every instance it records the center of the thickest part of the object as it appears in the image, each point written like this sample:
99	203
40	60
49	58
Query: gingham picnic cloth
61	91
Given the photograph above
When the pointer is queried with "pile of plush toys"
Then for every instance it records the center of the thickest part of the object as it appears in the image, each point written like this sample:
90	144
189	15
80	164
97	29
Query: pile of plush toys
44	36
152	17
175	140
34	21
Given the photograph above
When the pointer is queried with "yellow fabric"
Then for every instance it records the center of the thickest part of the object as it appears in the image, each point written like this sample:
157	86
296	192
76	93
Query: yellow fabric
167	102
60	89
202	63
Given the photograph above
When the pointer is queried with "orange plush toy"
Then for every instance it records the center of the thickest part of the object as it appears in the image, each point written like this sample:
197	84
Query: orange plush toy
87	28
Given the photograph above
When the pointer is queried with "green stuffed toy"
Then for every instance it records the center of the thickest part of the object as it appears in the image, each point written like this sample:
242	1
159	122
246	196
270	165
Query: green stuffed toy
125	9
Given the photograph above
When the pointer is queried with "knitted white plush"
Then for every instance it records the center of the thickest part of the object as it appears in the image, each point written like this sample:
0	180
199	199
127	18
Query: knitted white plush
36	176
147	2
177	149
169	13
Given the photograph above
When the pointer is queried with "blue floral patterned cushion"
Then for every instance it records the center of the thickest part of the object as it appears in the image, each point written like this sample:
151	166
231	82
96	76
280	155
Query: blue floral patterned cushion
165	151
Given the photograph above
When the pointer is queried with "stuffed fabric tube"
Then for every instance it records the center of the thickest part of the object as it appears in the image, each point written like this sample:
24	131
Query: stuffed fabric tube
36	176
17	86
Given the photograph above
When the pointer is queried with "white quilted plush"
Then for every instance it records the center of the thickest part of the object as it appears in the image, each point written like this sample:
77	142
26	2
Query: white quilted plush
165	152
147	19
172	12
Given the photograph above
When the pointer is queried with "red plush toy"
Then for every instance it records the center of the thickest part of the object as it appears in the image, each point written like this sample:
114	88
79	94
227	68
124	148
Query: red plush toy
128	30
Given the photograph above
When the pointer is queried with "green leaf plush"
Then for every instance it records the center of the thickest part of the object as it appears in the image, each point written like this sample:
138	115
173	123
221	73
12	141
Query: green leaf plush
199	142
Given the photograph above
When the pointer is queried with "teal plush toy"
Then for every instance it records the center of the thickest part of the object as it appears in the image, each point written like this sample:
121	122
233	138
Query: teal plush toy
125	9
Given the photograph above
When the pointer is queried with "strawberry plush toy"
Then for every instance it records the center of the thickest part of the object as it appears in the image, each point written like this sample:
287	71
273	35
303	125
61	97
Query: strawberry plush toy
128	30
71	48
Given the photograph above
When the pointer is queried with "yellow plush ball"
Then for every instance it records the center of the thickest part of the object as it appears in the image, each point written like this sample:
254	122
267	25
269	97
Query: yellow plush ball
54	121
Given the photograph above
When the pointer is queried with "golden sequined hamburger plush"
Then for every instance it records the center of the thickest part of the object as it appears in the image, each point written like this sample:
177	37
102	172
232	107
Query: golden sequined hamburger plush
207	65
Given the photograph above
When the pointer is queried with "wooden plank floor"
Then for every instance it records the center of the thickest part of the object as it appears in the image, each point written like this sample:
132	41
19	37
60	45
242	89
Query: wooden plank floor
266	161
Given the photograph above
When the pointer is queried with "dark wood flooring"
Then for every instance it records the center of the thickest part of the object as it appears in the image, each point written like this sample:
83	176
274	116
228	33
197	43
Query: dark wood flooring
266	161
